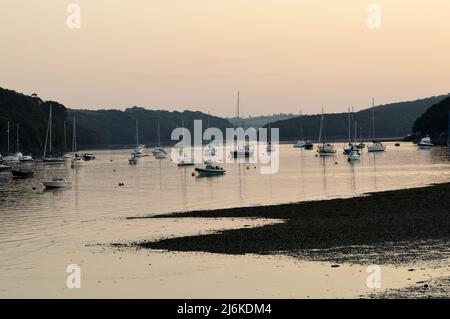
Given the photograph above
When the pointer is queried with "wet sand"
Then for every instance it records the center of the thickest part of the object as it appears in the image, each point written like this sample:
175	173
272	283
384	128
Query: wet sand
401	227
408	219
121	272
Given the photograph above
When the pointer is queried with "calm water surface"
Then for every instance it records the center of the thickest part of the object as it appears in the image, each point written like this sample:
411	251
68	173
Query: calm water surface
30	220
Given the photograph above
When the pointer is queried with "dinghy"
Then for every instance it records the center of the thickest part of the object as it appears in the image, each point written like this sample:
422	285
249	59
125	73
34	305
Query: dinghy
57	183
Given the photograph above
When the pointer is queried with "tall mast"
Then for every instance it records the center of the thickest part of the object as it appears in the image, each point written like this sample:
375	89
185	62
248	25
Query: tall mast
373	118
50	125
17	137
321	134
74	136
301	127
237	119
349	128
8	136
46	138
65	137
159	135
137	134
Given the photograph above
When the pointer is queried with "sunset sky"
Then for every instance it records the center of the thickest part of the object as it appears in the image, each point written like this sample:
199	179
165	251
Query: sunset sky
196	54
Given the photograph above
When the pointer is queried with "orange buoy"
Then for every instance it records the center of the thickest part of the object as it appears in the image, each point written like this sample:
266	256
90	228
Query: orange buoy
193	174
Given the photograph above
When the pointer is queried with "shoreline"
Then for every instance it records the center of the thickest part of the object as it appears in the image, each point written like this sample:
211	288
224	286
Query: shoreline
394	227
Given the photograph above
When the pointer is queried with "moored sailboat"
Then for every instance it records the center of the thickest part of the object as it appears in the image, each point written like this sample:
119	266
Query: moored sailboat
425	143
158	151
326	149
78	160
50	158
300	143
241	152
138	151
376	145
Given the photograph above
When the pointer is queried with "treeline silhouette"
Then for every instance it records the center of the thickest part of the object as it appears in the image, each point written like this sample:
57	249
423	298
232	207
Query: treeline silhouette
391	120
101	128
434	122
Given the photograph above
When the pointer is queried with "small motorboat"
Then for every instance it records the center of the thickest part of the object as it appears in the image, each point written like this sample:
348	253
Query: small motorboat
53	160
4	168
308	145
22	174
78	161
210	151
376	147
67	157
134	160
210	170
425	143
160	155
88	156
353	156
158	149
299	144
349	148
57	183
26	159
13	157
208	161
326	150
242	152
186	162
138	151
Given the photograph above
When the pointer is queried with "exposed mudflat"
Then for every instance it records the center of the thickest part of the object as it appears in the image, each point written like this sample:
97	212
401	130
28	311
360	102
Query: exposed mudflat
394	226
401	227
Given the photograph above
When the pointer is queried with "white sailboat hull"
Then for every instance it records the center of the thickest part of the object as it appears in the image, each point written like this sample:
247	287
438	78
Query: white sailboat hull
299	144
326	150
376	147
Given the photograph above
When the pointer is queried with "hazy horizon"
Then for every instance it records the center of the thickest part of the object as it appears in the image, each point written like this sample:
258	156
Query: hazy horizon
178	55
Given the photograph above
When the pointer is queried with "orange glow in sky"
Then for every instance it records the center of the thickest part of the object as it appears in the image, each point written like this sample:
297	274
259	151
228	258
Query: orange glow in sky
196	54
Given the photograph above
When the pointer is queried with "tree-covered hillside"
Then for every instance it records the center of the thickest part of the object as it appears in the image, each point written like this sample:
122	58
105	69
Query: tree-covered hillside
434	122
112	127
391	120
101	128
31	114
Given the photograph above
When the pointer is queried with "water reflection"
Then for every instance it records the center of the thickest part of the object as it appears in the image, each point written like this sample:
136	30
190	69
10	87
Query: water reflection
159	186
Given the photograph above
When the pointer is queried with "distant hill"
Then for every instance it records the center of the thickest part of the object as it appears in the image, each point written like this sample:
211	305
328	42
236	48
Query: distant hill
391	120
434	122
100	128
114	128
260	121
104	128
